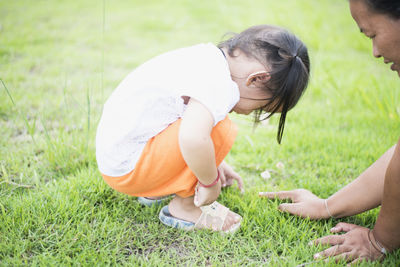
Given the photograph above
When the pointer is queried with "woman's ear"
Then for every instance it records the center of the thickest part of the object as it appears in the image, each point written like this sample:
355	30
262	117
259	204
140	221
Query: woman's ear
258	78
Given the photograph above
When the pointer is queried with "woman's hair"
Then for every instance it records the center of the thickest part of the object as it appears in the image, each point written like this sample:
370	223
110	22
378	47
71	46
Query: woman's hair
286	58
387	7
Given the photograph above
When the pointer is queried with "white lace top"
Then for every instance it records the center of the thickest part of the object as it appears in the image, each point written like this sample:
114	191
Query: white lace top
150	98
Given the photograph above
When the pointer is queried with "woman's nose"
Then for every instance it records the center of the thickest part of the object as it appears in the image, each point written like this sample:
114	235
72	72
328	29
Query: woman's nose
375	50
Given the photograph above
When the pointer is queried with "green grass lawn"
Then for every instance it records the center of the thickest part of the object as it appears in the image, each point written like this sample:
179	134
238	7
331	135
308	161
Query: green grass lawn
59	61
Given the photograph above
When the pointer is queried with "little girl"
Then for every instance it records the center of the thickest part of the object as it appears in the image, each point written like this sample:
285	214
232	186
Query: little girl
165	129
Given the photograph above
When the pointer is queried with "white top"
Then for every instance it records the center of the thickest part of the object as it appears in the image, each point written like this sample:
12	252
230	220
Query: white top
150	98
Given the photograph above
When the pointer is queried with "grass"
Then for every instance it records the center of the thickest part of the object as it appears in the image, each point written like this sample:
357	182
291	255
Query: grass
59	61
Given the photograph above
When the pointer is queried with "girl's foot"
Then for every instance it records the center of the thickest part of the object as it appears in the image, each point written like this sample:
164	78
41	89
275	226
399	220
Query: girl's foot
184	209
150	201
155	198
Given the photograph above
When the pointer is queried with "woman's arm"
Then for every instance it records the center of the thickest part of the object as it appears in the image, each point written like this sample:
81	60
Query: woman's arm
362	194
387	230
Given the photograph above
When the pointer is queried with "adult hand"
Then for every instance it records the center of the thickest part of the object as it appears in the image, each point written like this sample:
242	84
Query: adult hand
304	203
353	246
228	176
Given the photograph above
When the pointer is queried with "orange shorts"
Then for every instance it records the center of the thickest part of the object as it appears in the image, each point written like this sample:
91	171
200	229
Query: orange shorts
161	169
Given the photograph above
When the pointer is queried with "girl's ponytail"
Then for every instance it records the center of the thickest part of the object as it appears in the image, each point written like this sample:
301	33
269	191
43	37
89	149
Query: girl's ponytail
297	78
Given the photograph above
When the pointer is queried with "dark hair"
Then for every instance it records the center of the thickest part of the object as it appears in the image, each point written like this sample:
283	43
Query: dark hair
287	59
387	7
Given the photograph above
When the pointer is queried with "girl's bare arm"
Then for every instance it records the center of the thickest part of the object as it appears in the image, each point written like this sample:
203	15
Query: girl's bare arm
198	149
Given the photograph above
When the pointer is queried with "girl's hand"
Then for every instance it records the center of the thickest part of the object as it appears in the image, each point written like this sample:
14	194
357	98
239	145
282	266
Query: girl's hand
305	204
353	246
228	176
206	195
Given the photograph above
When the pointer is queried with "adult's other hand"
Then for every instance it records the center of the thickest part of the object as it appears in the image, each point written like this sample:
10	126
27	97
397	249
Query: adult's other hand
353	246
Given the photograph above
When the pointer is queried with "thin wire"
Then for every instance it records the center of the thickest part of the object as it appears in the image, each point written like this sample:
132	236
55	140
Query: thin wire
102	49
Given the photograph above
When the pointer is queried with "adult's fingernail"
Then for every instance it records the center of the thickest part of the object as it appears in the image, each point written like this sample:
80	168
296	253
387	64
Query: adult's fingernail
223	185
261	193
316	256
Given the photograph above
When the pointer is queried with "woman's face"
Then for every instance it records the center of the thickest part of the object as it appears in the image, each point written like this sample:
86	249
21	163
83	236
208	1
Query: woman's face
384	31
